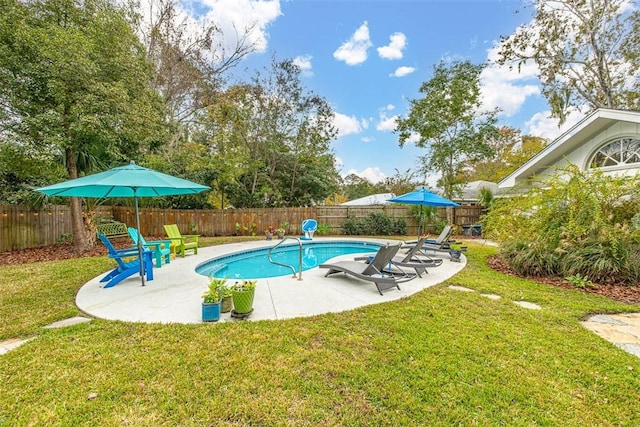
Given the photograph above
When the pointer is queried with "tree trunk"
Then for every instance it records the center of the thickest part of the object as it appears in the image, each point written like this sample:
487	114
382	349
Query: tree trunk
80	242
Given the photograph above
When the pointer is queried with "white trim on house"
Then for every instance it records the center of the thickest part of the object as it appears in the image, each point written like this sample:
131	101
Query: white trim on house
578	144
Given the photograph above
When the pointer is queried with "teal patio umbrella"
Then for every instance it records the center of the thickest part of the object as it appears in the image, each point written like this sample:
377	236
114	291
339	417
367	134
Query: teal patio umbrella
125	181
423	197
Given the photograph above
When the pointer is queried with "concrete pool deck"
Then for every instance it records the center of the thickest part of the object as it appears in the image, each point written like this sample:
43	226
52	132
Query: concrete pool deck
175	293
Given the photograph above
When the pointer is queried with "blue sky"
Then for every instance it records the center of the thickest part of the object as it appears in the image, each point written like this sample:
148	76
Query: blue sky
368	58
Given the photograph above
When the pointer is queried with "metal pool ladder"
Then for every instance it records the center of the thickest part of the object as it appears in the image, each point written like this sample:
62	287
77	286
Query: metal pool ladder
287	265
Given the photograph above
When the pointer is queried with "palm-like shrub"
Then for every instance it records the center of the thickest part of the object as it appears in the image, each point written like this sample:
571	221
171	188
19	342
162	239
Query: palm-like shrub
572	223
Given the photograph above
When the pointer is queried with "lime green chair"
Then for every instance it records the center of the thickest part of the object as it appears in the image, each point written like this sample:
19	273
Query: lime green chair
181	242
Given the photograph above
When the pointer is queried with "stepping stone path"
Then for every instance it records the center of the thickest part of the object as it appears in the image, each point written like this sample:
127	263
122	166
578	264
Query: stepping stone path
8	345
13	343
623	330
68	322
460	288
527	304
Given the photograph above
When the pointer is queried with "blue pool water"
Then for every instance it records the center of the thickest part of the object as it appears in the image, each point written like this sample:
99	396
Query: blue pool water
254	263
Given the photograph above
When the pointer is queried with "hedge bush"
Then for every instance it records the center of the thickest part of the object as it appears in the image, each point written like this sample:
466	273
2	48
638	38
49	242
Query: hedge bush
376	223
573	223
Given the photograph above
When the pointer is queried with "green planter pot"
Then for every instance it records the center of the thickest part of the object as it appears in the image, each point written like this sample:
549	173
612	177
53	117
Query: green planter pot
227	304
211	312
243	300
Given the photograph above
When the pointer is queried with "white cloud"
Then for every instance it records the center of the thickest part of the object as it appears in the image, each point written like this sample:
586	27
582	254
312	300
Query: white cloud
304	62
507	97
338	162
239	21
373	174
393	50
402	71
386	124
390	107
541	124
354	50
234	17
366	139
346	125
413	138
507	88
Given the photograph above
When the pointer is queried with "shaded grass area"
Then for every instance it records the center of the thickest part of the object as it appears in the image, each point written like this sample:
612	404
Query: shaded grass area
439	357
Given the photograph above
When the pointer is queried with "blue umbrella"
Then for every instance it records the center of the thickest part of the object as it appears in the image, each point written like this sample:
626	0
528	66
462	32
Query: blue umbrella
423	197
125	181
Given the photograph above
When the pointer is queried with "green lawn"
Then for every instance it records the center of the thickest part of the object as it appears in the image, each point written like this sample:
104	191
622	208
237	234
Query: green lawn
439	357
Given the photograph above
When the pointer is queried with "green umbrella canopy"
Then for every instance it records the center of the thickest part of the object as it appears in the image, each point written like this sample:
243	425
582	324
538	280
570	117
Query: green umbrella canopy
124	181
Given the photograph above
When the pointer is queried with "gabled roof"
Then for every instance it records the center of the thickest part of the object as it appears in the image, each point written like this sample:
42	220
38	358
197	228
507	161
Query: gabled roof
471	190
374	199
582	131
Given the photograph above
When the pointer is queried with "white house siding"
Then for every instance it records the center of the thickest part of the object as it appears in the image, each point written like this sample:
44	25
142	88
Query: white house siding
581	155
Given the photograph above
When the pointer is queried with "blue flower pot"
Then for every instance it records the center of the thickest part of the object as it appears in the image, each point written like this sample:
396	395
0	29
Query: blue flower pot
211	312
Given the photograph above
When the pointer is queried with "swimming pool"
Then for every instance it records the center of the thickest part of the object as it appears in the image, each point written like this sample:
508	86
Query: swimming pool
254	263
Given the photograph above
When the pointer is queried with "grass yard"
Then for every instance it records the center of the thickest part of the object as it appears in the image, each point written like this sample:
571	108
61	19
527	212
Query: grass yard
439	357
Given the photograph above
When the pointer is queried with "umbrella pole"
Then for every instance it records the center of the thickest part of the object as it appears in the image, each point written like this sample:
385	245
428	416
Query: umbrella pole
135	201
420	222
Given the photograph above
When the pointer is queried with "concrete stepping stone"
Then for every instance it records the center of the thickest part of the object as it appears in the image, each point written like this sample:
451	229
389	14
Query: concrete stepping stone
603	318
630	348
12	343
622	330
491	296
69	322
527	304
460	288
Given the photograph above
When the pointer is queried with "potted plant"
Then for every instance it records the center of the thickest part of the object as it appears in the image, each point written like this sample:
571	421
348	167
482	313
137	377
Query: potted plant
455	251
211	303
224	291
242	295
269	232
282	229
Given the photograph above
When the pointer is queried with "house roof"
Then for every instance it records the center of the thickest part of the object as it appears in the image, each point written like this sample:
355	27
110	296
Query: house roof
373	199
471	190
585	129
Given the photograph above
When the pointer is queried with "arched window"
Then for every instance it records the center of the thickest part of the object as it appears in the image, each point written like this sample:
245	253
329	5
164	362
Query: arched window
624	151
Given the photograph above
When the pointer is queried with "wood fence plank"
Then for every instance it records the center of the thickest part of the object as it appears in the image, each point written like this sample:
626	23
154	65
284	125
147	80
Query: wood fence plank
21	227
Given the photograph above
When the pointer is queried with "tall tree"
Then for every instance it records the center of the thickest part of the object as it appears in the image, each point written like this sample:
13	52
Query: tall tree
276	135
355	187
73	77
510	150
449	123
587	51
400	182
189	57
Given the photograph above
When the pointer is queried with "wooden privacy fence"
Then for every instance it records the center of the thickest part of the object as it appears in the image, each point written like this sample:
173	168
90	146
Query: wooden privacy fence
22	227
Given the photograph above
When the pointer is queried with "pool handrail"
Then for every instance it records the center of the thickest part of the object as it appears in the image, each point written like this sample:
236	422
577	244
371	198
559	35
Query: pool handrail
287	265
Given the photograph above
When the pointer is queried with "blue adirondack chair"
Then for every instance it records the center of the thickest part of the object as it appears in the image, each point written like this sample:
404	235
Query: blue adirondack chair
160	248
125	268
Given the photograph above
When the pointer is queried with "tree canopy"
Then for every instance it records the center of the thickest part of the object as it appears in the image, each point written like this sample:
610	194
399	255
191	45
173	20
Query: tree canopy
74	80
510	150
449	123
587	52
